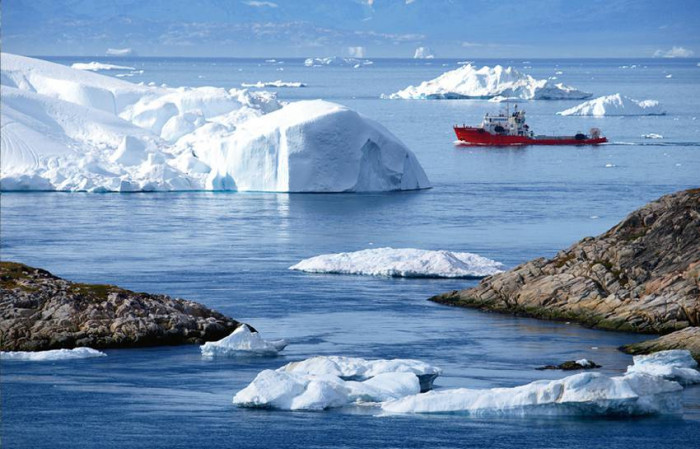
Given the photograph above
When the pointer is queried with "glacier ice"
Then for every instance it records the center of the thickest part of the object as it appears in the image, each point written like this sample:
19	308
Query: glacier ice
468	82
51	355
402	262
675	364
242	342
613	105
74	130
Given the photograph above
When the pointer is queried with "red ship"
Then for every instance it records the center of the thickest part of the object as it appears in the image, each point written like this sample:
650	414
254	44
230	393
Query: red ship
506	129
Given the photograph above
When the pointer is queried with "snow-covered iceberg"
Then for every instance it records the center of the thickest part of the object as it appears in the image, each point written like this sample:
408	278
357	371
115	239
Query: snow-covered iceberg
468	82
73	130
337	61
586	394
423	53
612	105
675	364
278	83
327	382
51	355
402	262
96	66
242	342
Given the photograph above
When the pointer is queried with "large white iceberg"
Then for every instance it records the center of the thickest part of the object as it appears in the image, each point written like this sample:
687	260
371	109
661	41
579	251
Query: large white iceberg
616	104
468	82
587	394
402	262
327	382
675	364
242	342
51	355
67	129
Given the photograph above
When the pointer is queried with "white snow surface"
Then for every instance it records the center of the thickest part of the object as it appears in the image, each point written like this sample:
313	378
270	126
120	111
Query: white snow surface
615	105
95	66
278	83
73	130
51	355
423	53
676	364
581	394
242	342
402	262
326	382
488	82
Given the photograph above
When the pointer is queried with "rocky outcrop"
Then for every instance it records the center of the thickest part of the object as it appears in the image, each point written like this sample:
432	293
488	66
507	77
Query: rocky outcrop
571	365
688	338
40	311
643	275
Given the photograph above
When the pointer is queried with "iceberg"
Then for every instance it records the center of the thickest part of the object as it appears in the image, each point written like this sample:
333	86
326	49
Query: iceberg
52	355
337	61
73	130
674	364
278	83
585	394
468	82
423	53
95	66
402	262
320	383
120	52
615	105
242	342
652	136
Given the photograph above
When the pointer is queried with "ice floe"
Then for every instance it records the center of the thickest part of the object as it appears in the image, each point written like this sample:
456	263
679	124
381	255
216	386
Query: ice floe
73	130
615	105
328	382
278	83
51	355
337	61
96	66
468	82
675	364
652	136
402	262
423	53
242	342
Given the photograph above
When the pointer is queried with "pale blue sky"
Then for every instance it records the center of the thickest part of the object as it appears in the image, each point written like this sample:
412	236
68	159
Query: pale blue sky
383	28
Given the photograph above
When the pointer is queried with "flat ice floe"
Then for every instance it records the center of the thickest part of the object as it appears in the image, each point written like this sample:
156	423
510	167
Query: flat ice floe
337	61
676	364
95	66
51	355
615	105
402	262
278	83
242	342
73	130
328	382
468	82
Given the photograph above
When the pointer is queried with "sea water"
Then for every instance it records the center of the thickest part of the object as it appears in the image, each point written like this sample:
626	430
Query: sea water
231	252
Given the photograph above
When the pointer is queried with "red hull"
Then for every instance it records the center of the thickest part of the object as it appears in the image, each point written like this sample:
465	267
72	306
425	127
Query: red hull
478	136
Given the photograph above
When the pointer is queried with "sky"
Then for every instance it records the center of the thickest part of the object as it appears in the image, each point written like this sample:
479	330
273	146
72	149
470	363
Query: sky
362	28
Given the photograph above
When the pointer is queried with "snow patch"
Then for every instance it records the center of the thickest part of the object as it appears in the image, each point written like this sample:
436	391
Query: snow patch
615	105
404	262
242	342
51	355
468	82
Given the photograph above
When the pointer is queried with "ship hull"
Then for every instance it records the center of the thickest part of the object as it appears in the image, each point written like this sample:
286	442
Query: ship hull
471	136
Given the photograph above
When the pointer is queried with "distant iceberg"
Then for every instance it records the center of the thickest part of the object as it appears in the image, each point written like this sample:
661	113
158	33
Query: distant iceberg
71	130
120	52
328	382
337	61
468	82
423	53
278	83
652	136
403	262
242	342
615	105
52	355
96	66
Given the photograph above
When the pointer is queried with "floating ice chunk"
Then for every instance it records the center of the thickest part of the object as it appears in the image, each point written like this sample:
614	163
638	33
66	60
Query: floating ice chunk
95	66
120	52
423	53
652	136
585	394
615	105
278	83
51	355
469	82
336	61
242	342
675	364
403	262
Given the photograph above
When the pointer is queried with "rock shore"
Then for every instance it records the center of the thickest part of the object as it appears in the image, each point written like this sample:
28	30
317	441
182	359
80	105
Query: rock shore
643	275
39	311
688	338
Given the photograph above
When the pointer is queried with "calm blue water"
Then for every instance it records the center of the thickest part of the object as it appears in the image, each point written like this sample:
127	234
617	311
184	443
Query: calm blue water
231	251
